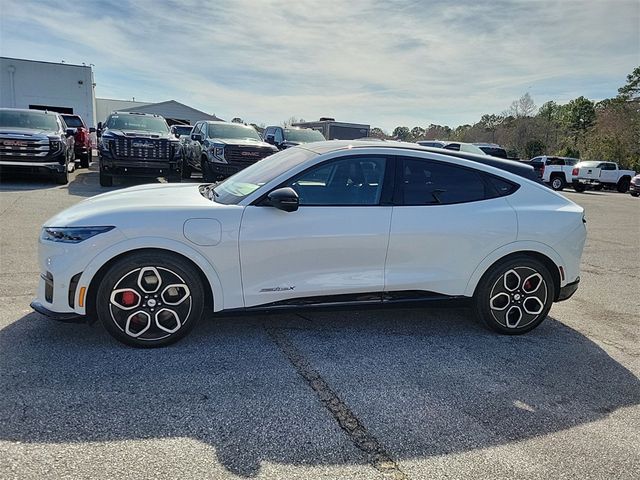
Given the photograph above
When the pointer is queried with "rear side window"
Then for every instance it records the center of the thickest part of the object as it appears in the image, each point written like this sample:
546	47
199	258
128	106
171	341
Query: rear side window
426	182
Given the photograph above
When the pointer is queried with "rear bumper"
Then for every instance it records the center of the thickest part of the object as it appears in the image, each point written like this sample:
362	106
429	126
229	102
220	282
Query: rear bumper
568	290
60	317
587	181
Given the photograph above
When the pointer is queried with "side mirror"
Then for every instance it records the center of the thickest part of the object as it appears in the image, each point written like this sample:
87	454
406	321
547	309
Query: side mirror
70	132
285	199
92	130
196	136
270	139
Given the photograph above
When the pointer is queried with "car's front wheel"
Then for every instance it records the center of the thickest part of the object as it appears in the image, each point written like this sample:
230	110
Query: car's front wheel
515	295
150	299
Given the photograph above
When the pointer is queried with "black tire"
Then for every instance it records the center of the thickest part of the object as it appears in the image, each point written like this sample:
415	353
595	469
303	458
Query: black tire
146	329
186	170
579	187
623	185
558	183
498	306
634	194
598	188
106	180
207	174
62	178
85	161
176	178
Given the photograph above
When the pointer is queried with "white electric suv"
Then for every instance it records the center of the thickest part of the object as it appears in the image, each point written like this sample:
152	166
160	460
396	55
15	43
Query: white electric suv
324	224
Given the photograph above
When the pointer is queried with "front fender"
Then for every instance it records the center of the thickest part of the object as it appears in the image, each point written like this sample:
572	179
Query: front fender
128	245
513	247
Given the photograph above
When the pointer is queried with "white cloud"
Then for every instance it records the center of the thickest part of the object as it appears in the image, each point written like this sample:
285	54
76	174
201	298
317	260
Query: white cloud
385	63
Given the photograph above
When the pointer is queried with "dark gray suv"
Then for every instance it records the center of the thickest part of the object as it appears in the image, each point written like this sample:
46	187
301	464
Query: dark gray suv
36	141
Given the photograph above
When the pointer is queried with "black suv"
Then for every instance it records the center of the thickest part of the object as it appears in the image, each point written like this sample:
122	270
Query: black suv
36	141
285	137
220	149
138	145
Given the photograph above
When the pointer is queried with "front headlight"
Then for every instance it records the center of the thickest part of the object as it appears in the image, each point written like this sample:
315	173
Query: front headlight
72	234
54	145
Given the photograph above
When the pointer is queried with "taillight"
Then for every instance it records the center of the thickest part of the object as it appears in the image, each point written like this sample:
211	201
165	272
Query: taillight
574	172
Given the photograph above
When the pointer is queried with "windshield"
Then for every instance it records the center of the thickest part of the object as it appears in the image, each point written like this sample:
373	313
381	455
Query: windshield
303	135
495	151
232	130
233	190
73	121
137	122
186	130
36	120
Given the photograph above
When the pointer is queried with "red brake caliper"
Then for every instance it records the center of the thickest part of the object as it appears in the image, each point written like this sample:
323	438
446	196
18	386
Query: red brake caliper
128	298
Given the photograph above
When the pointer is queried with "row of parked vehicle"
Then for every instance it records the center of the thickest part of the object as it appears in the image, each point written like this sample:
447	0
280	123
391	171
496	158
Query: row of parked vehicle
143	145
560	172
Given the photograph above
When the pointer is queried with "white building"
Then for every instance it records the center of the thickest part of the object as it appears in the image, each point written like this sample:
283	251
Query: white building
58	87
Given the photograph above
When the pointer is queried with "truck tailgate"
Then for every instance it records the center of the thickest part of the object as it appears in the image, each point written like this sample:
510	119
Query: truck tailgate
592	173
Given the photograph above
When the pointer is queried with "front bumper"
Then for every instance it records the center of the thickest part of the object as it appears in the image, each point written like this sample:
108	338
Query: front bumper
138	167
568	290
53	163
60	317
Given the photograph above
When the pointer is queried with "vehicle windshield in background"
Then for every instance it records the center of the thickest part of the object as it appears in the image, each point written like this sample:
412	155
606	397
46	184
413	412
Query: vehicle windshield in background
232	131
35	120
137	122
302	135
72	121
571	161
245	182
495	152
182	130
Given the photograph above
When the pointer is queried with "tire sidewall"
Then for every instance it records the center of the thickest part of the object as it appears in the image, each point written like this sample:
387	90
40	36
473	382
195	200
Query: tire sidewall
483	292
560	182
133	261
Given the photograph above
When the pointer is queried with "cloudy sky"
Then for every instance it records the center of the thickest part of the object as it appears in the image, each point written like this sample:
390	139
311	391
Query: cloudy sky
387	62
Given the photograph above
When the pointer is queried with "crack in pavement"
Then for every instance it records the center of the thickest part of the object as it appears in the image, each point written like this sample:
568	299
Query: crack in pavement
365	441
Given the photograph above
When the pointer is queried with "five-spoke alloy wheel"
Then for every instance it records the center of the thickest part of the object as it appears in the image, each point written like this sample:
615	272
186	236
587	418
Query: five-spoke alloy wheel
150	300
514	296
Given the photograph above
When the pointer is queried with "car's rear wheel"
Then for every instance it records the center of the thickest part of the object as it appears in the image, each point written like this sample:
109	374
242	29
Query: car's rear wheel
623	185
515	295
85	161
578	187
557	183
150	300
634	194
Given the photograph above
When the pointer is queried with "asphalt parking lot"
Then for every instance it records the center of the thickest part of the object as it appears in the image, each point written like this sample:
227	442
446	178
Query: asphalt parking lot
398	394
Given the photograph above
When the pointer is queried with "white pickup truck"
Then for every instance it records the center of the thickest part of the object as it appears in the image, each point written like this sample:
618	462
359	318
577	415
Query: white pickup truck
599	175
554	171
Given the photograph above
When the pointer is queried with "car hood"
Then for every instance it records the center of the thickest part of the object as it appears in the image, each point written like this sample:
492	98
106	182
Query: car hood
138	134
107	208
244	142
27	132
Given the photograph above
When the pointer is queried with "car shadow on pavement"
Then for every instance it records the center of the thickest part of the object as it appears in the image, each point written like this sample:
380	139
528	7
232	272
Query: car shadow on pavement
423	382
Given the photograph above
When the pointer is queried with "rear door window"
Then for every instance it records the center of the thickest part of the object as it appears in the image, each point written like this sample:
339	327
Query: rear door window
428	182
